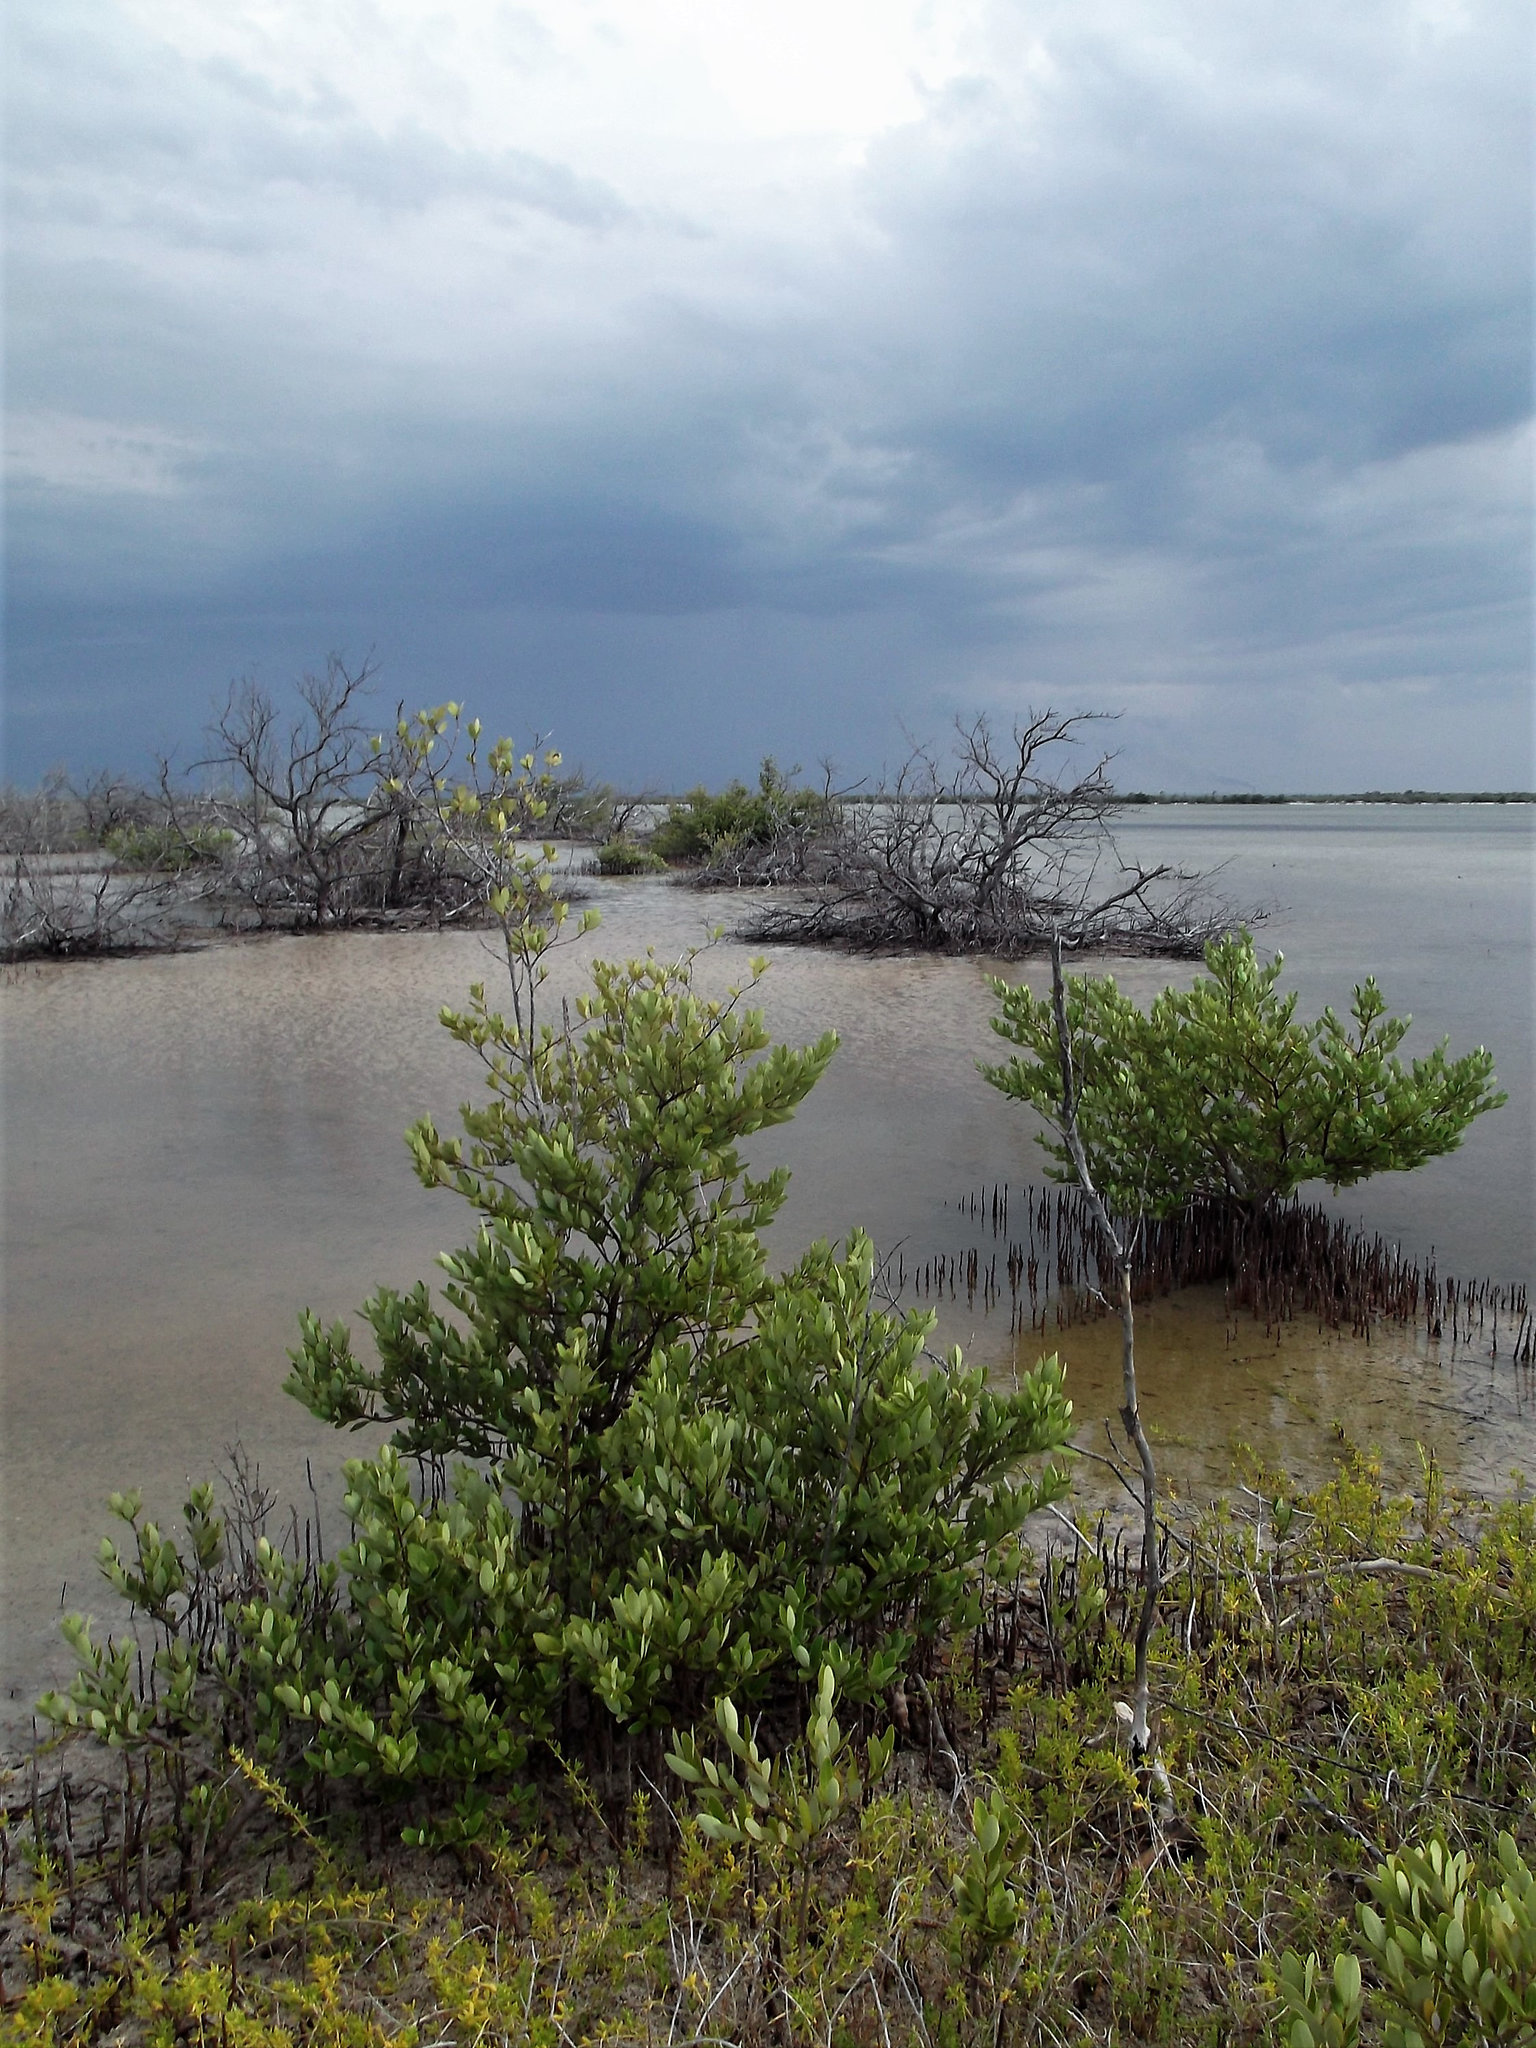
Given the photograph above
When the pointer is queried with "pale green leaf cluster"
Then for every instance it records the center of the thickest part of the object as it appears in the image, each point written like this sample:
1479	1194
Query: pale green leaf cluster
476	808
1456	1959
788	1801
987	1902
234	1624
1220	1091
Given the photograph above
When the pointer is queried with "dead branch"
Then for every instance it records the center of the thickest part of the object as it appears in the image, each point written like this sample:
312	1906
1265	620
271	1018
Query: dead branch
989	850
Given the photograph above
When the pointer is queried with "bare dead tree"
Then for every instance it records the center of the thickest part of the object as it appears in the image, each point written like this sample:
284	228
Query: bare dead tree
627	814
36	820
316	820
303	792
989	850
109	803
64	907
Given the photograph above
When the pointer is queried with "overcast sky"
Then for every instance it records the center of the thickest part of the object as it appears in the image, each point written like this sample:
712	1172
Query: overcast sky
694	379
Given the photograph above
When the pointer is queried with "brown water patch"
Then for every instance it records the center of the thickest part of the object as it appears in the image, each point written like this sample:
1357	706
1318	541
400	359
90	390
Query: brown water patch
1215	1386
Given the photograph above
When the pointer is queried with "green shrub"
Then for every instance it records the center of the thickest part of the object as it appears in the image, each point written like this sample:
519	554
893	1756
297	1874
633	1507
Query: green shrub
1456	1960
163	846
655	1473
735	817
623	857
1217	1091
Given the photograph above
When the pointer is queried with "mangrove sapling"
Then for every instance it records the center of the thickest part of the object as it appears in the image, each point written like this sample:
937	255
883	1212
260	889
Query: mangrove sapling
738	835
624	1364
624	857
1218	1091
1455	1959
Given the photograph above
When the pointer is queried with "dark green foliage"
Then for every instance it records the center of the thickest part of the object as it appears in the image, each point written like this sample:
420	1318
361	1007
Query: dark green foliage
703	826
1218	1090
724	1479
624	857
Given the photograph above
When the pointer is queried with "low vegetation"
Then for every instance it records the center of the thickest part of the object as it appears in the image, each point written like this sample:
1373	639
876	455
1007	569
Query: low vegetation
1342	1673
168	848
625	857
770	835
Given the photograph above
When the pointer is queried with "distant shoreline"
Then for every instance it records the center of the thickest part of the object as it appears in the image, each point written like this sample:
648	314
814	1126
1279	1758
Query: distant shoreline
1365	796
1129	797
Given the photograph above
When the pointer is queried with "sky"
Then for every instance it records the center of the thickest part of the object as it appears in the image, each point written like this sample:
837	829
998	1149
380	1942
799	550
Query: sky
690	380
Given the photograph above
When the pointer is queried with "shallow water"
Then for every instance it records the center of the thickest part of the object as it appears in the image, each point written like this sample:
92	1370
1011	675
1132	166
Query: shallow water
1221	1395
199	1145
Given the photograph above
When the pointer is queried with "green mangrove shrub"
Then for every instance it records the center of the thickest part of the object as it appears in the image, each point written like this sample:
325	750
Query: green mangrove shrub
1219	1090
1455	1959
624	857
167	848
630	1470
689	1477
735	818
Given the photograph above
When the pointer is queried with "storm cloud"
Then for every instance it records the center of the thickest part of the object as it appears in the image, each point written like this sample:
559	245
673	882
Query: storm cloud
692	397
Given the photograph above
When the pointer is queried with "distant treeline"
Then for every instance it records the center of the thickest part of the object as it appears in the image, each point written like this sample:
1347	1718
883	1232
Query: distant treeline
1362	796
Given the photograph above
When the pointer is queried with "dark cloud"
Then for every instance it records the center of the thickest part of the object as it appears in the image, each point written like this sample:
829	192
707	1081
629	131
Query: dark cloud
1174	357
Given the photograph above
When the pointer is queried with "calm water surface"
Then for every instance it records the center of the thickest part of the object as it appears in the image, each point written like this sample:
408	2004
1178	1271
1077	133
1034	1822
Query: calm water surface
197	1146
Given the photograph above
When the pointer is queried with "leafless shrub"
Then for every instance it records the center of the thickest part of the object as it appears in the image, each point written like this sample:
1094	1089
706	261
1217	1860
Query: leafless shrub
36	820
61	816
66	907
337	824
992	850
